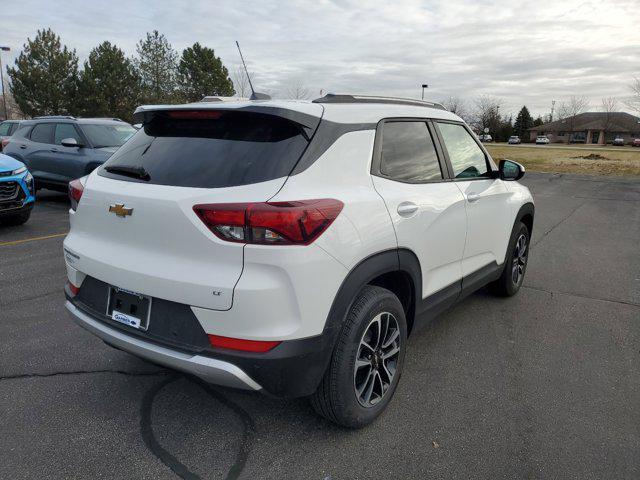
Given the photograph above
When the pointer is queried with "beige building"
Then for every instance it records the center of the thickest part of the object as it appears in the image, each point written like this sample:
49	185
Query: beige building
591	127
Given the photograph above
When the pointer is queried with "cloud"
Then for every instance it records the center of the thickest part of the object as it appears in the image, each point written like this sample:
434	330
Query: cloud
521	51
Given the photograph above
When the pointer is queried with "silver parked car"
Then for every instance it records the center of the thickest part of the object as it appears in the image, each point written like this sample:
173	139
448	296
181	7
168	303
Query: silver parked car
6	130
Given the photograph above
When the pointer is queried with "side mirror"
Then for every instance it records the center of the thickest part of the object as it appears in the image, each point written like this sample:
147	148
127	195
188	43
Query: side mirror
510	170
70	142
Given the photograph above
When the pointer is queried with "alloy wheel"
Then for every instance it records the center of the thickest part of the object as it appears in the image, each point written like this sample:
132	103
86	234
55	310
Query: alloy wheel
377	359
519	259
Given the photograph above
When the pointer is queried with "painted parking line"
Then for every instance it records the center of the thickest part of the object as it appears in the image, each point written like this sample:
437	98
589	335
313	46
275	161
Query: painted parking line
32	239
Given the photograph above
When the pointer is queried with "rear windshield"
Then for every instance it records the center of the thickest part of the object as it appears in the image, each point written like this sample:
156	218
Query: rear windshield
209	149
106	135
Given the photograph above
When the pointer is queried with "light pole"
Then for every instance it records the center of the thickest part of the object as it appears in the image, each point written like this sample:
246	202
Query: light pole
4	94
424	85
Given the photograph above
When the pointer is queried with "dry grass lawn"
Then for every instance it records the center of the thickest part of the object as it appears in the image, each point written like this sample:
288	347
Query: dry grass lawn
582	160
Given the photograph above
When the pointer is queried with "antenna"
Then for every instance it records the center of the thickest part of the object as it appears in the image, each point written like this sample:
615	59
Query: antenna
254	95
253	92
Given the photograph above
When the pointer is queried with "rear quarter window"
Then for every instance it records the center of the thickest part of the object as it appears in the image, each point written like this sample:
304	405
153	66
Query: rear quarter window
215	149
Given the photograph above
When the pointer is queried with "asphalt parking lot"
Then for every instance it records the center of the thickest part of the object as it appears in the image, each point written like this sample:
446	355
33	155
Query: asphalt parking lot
542	385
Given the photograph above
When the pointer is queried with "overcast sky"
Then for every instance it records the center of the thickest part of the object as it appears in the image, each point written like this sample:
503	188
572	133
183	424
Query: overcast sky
524	52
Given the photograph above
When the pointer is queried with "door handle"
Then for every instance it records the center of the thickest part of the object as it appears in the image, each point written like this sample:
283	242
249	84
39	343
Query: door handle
406	209
54	150
23	146
473	198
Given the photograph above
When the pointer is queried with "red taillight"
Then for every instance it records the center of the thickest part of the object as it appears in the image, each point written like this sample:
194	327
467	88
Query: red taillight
275	223
74	290
257	346
75	193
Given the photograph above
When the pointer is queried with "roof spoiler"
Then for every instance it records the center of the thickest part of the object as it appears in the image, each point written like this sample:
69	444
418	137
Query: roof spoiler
308	123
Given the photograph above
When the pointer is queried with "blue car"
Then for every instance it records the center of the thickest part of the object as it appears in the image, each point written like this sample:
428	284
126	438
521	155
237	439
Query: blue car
17	195
58	149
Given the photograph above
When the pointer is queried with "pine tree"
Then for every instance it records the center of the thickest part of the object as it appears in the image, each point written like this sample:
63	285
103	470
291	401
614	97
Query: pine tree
201	73
45	77
156	64
523	123
538	121
109	84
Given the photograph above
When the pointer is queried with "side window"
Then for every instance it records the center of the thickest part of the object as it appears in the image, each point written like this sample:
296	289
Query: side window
66	130
467	158
42	133
408	152
4	128
22	132
14	127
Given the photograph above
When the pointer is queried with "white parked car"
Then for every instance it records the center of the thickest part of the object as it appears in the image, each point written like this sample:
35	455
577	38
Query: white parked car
542	140
292	247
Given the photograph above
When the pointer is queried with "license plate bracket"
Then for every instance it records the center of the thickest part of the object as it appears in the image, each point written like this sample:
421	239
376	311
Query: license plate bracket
129	308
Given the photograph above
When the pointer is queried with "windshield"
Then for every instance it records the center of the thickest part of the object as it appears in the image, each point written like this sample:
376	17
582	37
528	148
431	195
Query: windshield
108	135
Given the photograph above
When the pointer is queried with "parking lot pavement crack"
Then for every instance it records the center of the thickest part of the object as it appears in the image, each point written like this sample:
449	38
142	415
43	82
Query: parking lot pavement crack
580	295
57	291
80	372
146	430
247	434
545	234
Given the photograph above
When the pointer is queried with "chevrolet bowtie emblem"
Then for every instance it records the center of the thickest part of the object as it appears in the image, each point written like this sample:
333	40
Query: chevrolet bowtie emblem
120	210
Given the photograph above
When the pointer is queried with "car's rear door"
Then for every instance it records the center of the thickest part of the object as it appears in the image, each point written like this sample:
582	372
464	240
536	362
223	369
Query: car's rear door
37	151
426	208
489	216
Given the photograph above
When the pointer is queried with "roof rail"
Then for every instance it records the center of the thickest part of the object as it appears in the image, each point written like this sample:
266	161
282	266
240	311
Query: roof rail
54	117
101	118
333	98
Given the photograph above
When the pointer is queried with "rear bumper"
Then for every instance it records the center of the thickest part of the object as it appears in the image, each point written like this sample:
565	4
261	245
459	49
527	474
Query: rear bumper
209	369
292	369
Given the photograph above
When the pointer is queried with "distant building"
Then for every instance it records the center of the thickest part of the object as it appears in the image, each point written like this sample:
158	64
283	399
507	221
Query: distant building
591	127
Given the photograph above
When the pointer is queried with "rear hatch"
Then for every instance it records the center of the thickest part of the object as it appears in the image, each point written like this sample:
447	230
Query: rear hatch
135	227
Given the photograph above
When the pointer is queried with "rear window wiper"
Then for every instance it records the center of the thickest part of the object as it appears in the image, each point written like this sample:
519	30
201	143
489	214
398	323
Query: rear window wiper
129	171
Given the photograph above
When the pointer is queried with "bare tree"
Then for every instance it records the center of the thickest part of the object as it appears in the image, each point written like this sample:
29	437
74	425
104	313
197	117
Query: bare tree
569	109
240	82
297	91
486	113
13	110
574	106
634	100
456	105
609	107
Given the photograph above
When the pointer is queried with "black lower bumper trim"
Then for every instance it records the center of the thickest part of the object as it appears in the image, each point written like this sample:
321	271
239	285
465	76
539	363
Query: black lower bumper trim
292	369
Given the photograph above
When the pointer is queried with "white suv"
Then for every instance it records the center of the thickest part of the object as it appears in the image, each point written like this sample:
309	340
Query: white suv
292	247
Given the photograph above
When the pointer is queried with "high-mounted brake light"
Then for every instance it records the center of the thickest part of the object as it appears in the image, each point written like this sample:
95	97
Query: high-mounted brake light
194	114
256	346
76	188
273	223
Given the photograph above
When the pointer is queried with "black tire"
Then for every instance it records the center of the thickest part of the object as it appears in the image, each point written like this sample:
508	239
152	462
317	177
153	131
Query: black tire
337	398
17	219
506	285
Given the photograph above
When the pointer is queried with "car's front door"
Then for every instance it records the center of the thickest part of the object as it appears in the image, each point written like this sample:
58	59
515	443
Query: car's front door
426	208
489	218
68	163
